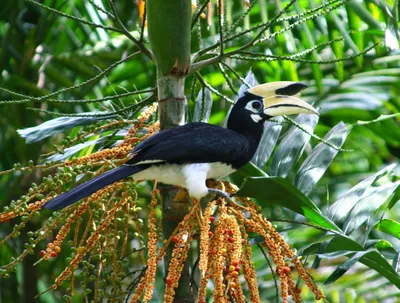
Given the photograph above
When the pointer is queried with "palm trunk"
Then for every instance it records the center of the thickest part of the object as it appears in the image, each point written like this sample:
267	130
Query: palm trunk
169	27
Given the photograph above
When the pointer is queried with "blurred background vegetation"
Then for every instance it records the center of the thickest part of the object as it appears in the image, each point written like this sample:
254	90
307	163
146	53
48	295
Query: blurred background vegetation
42	52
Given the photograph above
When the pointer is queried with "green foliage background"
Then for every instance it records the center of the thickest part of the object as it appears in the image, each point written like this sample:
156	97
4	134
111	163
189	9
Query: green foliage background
41	52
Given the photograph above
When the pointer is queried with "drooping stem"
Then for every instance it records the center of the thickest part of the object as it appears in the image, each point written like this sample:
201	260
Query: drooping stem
169	27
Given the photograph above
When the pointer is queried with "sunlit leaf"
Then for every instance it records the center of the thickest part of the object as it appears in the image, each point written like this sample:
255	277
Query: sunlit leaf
321	157
390	227
268	141
52	127
70	151
341	207
202	110
292	145
250	80
367	205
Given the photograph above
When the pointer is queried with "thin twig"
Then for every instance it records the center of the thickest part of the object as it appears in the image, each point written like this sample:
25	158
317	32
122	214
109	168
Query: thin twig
199	12
143	23
111	28
204	83
42	98
272	272
102	9
126	32
315	136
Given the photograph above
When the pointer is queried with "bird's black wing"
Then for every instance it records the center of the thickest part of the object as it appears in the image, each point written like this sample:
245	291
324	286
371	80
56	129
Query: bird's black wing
193	143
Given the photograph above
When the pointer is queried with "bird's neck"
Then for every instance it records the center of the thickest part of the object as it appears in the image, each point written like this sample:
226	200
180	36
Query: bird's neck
248	128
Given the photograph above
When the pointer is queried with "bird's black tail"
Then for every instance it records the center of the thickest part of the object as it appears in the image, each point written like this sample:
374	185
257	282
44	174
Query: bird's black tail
86	189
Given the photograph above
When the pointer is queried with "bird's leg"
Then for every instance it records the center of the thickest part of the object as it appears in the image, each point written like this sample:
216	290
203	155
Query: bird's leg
217	188
219	193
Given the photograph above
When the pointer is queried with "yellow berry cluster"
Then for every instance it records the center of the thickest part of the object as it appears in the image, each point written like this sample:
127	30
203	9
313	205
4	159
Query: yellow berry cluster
151	246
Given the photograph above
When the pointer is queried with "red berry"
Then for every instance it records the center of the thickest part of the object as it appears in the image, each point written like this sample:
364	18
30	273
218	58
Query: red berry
212	218
237	268
286	270
168	281
53	254
210	233
231	240
235	262
42	252
175	239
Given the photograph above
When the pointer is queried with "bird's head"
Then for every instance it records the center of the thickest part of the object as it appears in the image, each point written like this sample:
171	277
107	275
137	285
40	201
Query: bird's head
268	100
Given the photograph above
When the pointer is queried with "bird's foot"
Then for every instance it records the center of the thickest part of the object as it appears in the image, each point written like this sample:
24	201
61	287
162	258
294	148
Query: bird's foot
220	193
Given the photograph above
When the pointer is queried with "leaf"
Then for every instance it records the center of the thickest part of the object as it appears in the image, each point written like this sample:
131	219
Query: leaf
342	269
250	80
248	170
52	127
321	157
356	100
339	244
292	145
279	191
390	227
367	205
202	110
341	207
69	151
268	142
380	118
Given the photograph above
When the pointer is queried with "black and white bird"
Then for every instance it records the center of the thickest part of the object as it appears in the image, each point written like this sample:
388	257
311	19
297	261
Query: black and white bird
190	154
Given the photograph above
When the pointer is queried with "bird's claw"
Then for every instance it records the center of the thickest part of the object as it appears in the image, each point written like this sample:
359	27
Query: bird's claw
220	193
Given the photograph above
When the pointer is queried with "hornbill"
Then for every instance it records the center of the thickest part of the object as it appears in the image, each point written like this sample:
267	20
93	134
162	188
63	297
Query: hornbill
190	154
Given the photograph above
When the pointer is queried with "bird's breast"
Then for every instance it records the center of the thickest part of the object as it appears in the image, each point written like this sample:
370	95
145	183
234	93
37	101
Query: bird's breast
182	174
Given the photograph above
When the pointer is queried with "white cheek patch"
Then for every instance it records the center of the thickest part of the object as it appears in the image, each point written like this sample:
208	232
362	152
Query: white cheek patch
249	107
256	118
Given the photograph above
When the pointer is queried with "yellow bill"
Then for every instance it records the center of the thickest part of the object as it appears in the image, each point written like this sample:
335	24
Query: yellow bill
282	98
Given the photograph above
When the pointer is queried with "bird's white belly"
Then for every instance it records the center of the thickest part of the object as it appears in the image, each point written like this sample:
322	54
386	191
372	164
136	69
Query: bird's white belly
191	176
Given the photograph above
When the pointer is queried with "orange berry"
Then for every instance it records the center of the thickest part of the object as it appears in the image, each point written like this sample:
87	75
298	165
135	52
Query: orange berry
234	274
235	262
175	239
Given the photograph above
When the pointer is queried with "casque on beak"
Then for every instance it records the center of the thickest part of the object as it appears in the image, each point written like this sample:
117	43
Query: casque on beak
282	98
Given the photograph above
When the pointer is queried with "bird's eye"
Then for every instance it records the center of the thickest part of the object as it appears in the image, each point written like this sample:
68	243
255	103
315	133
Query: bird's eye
256	104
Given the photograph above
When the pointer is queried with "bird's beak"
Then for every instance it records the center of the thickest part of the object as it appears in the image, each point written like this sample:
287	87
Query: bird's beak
282	98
